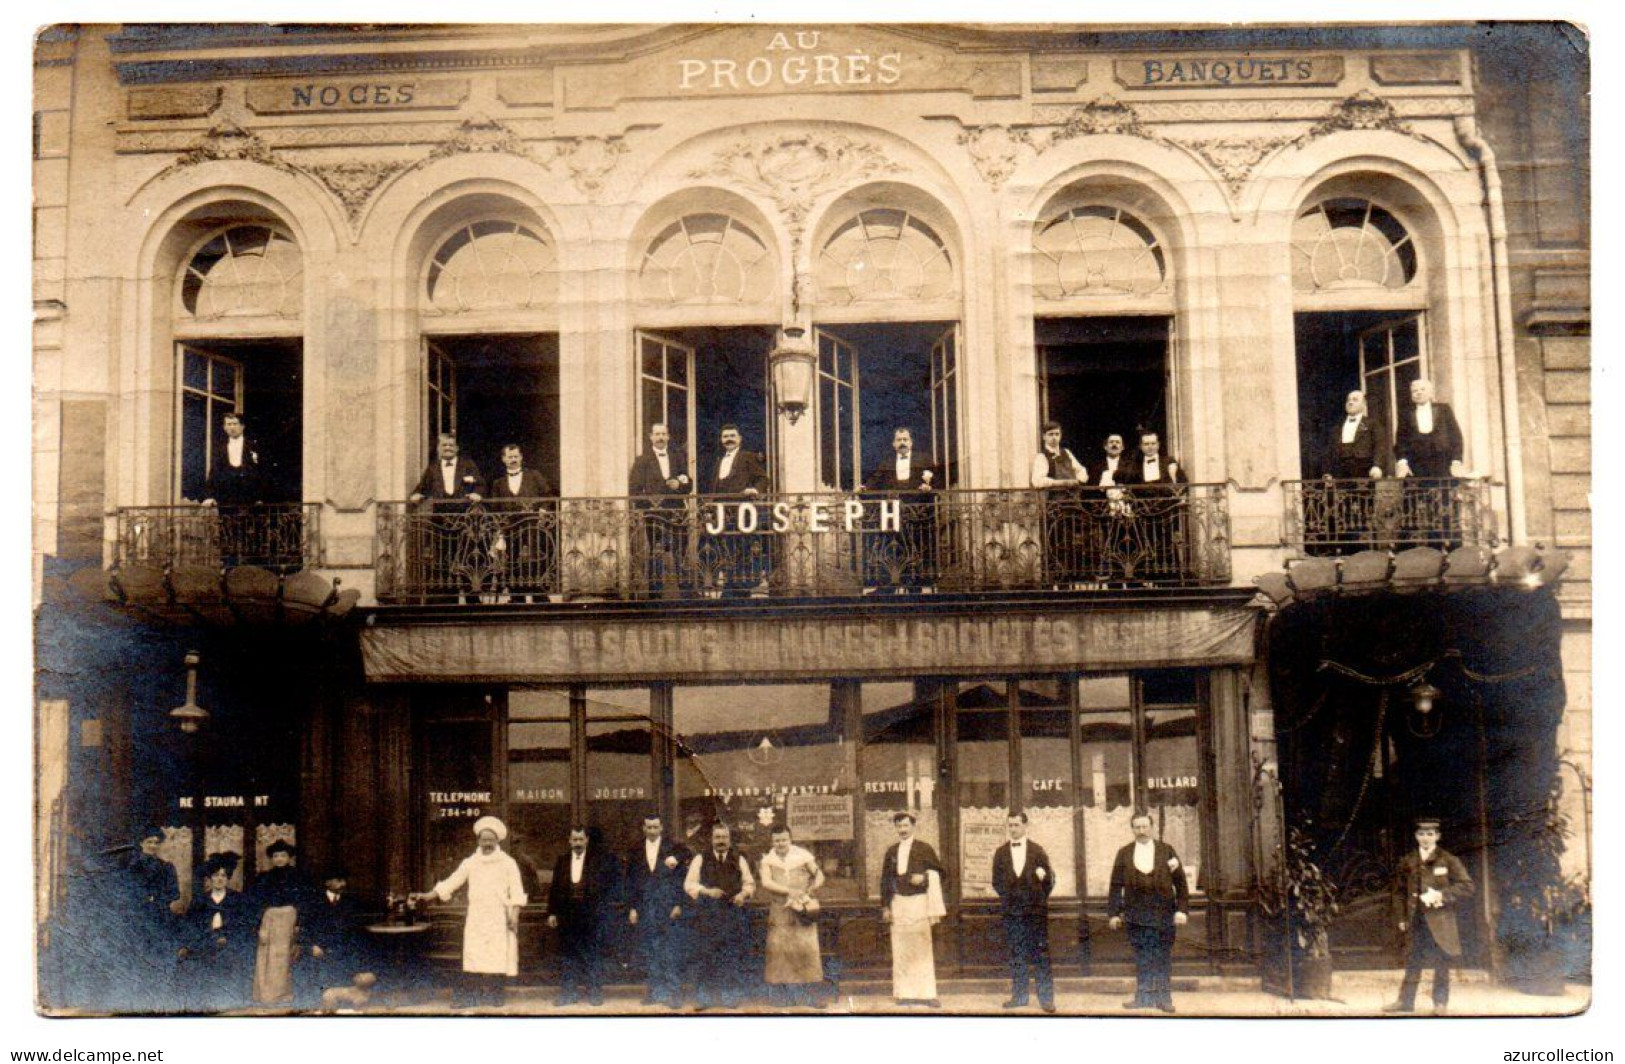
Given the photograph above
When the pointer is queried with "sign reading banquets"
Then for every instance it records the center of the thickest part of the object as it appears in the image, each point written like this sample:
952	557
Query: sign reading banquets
1244	70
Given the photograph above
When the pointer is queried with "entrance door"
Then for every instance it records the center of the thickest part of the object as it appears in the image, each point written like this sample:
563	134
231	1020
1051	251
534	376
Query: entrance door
1339	351
840	443
440	395
1391	356
211	388
1105	375
666	392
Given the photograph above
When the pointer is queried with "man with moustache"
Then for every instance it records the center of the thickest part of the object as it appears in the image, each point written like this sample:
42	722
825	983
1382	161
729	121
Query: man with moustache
1360	453
719	883
659	483
911	903
449	485
738	560
906	558
1066	527
578	906
1158	511
1150	897
1023	879
522	552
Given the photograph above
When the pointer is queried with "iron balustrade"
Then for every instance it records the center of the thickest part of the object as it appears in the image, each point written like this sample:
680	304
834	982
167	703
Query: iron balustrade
279	536
1333	517
825	544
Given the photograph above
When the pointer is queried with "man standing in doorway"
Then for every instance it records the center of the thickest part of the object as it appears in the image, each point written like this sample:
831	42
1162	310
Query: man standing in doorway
578	906
911	902
234	487
654	880
1427	890
1360	454
1023	879
1066	530
1429	447
491	930
522	552
659	481
737	559
1158	525
1150	896
445	540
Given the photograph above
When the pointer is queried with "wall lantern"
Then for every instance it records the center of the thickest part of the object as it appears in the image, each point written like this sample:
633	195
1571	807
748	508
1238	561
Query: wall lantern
189	714
791	362
1423	698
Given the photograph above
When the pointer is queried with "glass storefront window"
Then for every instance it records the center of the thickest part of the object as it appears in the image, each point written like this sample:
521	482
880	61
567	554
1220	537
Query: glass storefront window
538	780
1173	766
900	769
982	730
1107	788
753	755
457	788
1047	790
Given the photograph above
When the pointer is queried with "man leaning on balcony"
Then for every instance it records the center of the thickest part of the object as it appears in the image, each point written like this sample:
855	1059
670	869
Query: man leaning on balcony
450	483
1066	527
908	557
737	561
522	553
1158	511
1429	447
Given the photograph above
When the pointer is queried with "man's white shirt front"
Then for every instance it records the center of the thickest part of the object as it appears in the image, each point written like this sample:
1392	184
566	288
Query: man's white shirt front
904	468
1351	428
578	864
1424	418
1145	856
727	467
1018	856
651	852
664	459
234	450
448	476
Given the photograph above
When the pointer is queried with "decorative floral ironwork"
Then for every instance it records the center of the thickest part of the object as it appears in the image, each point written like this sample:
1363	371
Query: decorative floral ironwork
1332	517
283	537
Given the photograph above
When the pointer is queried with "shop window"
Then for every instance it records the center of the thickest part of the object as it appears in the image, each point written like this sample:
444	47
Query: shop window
754	755
244	271
538	781
457	789
619	784
706	259
1172	769
1097	251
1046	788
982	744
884	254
491	265
1347	243
900	769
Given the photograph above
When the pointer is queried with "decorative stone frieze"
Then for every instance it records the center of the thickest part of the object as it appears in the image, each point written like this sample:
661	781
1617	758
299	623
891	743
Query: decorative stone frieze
353	184
996	150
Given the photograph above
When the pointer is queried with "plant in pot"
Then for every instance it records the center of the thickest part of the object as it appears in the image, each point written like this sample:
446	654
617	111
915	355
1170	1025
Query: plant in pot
1545	920
1312	906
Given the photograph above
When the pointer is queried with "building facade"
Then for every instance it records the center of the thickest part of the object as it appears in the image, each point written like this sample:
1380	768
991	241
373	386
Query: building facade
560	237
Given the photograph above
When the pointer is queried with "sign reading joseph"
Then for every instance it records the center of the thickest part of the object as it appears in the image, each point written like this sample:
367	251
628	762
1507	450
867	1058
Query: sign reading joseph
789	647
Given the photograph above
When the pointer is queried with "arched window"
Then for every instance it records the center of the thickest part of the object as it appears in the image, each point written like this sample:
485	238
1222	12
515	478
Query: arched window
491	265
1097	251
706	258
884	254
243	271
1349	243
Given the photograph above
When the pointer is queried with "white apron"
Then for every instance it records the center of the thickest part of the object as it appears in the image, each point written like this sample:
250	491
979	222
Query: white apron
913	961
489	947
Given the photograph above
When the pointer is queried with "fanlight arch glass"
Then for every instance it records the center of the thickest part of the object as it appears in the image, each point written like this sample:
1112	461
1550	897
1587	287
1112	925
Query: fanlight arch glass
884	254
491	265
1097	251
1348	243
244	271
706	258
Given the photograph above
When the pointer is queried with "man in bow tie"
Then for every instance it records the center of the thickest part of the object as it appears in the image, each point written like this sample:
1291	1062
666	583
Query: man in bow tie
1430	886
742	560
659	480
906	558
1158	509
1429	447
522	551
578	906
1361	453
1150	897
655	870
450	483
1023	879
234	486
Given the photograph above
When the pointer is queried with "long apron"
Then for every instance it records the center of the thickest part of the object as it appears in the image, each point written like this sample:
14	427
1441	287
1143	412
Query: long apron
273	963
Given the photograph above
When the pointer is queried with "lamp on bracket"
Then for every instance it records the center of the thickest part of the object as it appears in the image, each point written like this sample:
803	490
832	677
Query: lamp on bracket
792	365
189	714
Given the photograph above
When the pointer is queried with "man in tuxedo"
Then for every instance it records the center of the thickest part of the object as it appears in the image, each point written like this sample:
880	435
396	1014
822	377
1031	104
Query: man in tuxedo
1429	443
1112	462
234	487
720	884
1429	888
908	557
329	926
734	559
1150	896
660	483
449	485
523	551
1157	528
1066	533
655	870
1360	454
911	902
585	880
1023	879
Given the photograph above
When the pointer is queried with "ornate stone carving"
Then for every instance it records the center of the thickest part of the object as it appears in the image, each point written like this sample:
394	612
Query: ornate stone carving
795	169
228	141
1363	110
477	134
1107	114
590	159
1234	158
996	151
353	184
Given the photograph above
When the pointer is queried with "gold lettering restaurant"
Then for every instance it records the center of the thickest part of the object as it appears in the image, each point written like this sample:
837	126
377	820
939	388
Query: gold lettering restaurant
803	425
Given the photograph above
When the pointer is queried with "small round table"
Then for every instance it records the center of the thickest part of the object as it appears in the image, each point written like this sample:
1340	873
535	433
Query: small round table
399	948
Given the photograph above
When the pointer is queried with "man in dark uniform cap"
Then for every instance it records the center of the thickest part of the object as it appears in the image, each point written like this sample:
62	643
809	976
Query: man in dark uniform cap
1429	886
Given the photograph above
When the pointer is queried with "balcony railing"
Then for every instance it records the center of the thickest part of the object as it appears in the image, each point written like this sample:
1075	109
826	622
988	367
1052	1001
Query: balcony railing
1331	517
815	545
283	537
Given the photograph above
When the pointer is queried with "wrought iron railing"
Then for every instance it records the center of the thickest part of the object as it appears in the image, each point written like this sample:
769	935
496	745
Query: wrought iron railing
696	547
281	536
1332	517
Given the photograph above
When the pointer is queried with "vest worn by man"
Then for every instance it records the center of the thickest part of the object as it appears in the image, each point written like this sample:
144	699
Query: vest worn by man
724	873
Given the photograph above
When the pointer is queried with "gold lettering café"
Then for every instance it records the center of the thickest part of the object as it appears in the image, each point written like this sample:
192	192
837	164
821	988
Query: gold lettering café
564	423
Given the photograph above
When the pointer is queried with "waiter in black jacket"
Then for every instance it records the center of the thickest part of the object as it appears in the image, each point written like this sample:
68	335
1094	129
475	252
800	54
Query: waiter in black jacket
1149	895
585	880
655	870
1023	879
660	484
